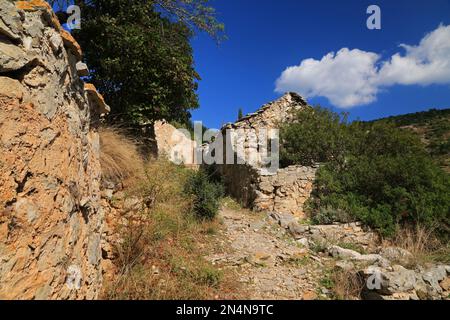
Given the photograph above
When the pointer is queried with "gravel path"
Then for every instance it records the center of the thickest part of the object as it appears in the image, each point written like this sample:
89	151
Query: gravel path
268	262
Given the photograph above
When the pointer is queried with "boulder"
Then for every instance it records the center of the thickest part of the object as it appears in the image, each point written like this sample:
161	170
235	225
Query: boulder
297	231
397	255
345	254
283	219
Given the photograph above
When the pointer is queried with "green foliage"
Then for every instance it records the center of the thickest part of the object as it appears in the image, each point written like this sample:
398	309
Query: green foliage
240	114
315	136
433	126
141	62
140	56
206	195
375	172
328	215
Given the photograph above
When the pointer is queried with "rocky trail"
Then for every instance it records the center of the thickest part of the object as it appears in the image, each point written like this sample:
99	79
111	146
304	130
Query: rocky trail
270	264
274	257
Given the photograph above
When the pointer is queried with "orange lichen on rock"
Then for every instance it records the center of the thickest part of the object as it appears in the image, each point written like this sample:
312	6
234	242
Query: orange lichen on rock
33	5
96	98
71	44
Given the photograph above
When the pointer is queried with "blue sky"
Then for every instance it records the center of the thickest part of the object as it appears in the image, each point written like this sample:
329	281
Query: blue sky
268	36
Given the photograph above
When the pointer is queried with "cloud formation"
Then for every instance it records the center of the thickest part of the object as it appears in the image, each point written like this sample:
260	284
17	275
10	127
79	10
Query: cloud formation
351	78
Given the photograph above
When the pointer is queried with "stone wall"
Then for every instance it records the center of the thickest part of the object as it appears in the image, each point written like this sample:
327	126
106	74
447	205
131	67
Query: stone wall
174	144
252	181
286	191
51	219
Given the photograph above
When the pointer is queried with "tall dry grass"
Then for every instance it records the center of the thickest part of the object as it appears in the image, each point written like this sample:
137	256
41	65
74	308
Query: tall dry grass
162	248
422	242
119	156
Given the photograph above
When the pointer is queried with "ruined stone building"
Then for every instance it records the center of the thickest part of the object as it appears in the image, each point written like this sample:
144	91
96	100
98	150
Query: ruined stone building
257	183
51	218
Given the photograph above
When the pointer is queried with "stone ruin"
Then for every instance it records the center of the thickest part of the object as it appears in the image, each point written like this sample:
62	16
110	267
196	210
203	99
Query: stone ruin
174	144
249	179
51	216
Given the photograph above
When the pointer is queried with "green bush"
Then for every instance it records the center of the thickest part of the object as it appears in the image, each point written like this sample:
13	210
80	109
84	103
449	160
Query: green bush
316	135
377	173
206	195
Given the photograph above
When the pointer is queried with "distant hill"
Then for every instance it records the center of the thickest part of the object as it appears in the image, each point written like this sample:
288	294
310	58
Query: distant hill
433	126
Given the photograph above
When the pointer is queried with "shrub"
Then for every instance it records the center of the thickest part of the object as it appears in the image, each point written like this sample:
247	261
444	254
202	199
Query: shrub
206	195
375	172
328	215
316	135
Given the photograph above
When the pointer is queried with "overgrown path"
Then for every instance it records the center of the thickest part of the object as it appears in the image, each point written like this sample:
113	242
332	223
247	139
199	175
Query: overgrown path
268	263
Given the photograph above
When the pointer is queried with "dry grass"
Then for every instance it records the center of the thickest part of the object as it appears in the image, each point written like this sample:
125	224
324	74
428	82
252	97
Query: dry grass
347	285
119	156
161	255
423	243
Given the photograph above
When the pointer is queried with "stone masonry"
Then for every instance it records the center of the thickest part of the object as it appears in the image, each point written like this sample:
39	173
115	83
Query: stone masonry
250	181
51	219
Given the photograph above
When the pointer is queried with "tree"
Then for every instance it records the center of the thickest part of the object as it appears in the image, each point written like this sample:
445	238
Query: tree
240	114
140	56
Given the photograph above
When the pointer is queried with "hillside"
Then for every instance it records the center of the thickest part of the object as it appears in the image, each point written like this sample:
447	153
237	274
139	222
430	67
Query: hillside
434	128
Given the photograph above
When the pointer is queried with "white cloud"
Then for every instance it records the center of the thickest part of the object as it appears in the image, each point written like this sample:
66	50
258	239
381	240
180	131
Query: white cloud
354	77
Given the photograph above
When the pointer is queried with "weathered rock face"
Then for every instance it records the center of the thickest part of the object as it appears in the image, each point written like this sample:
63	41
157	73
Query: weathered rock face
250	180
50	214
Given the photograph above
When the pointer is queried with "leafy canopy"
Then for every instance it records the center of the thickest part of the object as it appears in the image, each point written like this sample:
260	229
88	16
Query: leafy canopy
140	56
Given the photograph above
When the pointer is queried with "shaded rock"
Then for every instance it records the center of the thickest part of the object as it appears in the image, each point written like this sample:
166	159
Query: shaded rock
5	30
12	57
341	253
432	277
283	219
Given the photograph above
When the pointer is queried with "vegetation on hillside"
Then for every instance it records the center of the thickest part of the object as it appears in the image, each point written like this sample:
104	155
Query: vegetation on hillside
433	126
373	172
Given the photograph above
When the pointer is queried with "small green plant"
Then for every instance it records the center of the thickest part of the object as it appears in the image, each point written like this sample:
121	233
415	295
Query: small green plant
230	203
319	246
329	215
298	261
208	275
206	195
327	281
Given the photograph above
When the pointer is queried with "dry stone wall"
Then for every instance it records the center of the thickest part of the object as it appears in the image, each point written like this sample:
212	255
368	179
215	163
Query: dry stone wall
251	182
51	219
286	191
